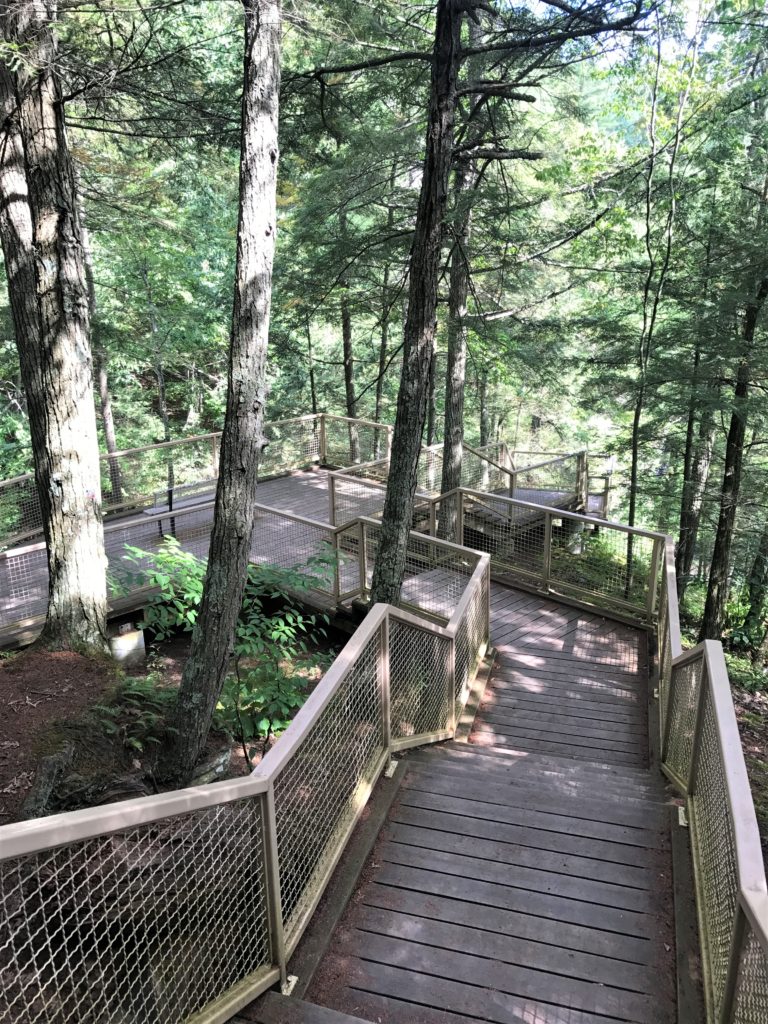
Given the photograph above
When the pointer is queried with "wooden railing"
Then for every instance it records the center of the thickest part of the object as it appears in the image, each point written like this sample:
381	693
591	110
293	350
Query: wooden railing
175	473
185	906
701	753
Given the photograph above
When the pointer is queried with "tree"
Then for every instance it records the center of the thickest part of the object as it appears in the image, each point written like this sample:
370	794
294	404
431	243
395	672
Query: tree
44	250
420	324
242	440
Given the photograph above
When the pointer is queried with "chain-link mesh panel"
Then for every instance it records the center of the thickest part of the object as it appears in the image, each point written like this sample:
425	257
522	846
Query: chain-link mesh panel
684	700
320	791
419	668
145	926
751	1000
607	564
713	844
471	635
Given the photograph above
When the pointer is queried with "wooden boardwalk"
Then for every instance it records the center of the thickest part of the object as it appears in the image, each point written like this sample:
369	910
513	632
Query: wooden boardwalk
523	876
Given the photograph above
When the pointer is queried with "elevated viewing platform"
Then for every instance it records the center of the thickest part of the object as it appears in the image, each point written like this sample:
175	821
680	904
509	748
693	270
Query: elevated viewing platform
497	804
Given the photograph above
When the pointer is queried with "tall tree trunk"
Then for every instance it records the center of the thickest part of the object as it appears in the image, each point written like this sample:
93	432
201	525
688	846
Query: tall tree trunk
432	396
757	587
242	439
349	375
311	365
694	486
383	346
717	587
424	269
485	418
52	327
456	368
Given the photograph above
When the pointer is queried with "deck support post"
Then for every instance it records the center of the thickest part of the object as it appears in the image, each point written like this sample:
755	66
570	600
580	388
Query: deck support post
547	561
272	875
459	539
332	499
384	684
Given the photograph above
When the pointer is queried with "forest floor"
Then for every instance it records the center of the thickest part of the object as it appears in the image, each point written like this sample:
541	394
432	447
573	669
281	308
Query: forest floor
49	700
752	715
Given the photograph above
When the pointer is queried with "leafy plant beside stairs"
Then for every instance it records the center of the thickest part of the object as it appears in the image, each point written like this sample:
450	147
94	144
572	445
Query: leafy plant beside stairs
264	689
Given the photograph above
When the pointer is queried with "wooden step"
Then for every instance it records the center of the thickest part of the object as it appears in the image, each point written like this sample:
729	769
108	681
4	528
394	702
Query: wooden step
273	1008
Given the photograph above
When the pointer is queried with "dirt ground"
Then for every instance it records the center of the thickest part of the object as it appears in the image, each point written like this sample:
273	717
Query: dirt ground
36	689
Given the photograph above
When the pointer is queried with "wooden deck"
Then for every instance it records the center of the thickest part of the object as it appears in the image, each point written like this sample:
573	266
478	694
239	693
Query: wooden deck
24	573
523	876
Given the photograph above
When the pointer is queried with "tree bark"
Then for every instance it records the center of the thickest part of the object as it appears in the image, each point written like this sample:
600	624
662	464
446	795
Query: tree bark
52	326
424	268
456	368
694	486
242	439
717	587
482	401
757	588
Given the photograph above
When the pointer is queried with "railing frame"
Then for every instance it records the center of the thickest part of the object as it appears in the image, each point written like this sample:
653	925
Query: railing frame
751	909
36	836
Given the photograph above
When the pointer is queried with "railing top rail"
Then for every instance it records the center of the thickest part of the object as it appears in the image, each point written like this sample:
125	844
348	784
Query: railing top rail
548	462
26	837
486	458
355	419
559	512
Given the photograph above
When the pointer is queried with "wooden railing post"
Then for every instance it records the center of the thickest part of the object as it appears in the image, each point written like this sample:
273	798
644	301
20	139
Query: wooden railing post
512	484
272	883
460	516
384	682
653	582
362	555
450	695
332	499
547	561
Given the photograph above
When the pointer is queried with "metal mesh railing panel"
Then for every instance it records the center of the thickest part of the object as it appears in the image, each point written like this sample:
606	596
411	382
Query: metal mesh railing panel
554	483
682	716
751	999
419	672
435	575
321	789
349	443
511	533
713	844
353	497
20	514
145	925
607	564
294	544
291	444
471	635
